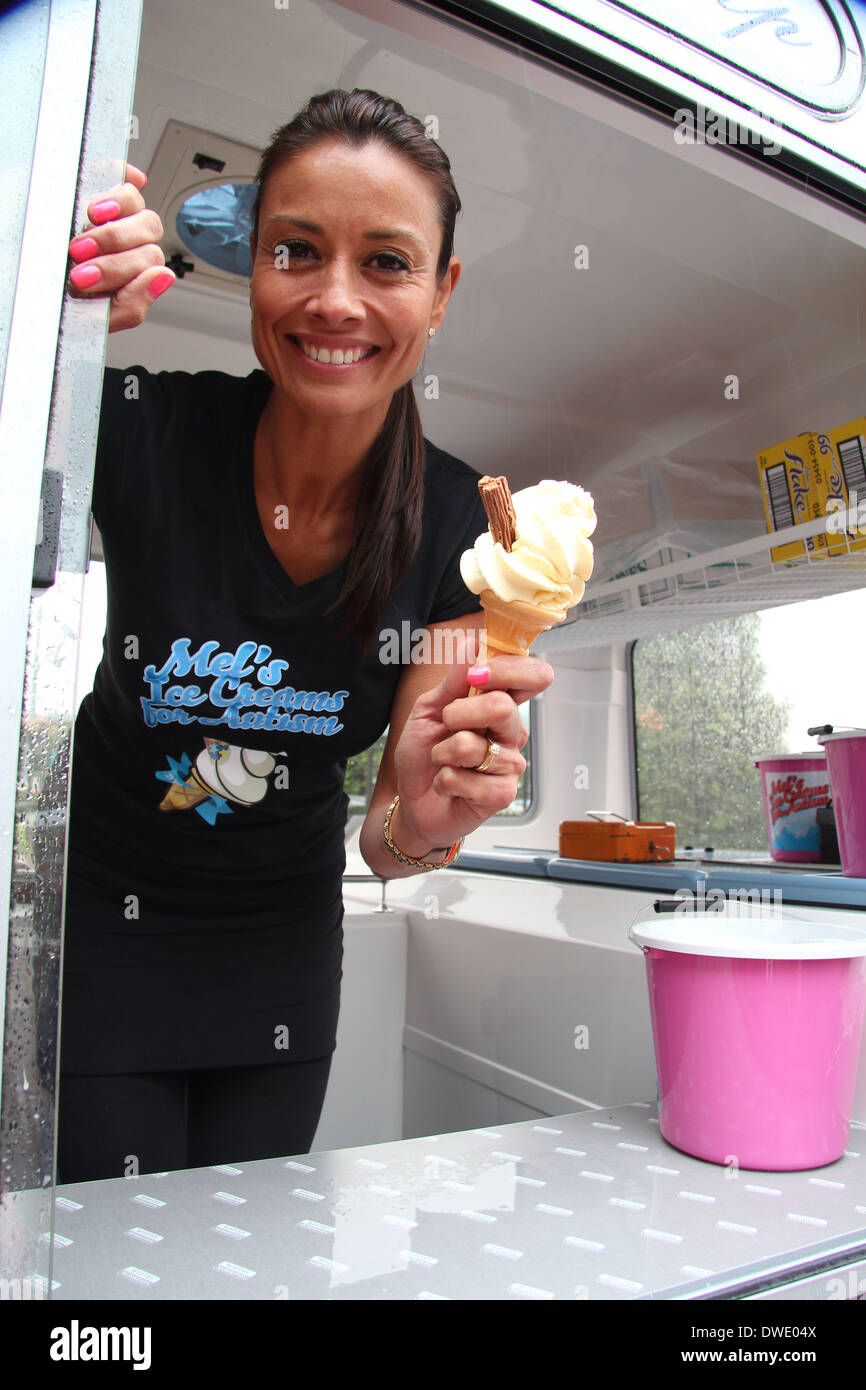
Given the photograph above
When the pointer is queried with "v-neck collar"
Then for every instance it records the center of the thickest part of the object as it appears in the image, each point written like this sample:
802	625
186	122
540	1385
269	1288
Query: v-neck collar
261	387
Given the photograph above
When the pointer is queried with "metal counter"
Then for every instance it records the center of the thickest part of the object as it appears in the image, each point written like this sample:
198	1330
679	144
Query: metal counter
589	1206
818	885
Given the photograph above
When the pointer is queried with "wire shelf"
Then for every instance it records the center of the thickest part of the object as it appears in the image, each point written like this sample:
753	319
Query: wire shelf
718	584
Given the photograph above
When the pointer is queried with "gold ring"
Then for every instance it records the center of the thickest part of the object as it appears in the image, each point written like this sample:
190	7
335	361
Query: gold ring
492	750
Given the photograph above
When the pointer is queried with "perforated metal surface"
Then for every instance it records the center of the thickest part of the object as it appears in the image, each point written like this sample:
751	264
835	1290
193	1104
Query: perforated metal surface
589	1206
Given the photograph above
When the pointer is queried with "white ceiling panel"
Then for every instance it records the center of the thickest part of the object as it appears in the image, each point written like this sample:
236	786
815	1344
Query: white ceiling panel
612	375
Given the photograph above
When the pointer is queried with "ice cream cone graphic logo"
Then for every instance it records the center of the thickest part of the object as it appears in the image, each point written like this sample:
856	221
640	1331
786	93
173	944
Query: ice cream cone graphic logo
221	773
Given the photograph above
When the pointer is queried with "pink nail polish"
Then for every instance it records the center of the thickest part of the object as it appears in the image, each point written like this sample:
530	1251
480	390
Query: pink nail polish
160	283
104	211
84	277
478	675
84	248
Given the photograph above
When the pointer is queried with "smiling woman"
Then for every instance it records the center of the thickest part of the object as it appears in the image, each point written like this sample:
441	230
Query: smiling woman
259	534
369	279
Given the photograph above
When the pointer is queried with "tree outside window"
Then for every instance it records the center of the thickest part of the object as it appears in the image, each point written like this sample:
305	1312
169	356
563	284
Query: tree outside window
702	716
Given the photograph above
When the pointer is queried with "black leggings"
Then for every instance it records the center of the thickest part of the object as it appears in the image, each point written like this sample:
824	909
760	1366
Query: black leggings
119	1126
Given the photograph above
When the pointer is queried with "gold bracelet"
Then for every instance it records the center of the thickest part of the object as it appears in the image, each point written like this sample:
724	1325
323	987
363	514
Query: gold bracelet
407	858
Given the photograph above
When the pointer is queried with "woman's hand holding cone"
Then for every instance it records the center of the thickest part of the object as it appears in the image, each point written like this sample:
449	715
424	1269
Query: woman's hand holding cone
442	795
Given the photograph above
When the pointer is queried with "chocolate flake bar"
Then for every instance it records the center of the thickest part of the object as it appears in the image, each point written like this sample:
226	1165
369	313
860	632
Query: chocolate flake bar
496	496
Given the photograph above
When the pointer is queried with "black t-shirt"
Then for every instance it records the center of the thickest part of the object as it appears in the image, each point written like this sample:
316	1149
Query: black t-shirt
208	812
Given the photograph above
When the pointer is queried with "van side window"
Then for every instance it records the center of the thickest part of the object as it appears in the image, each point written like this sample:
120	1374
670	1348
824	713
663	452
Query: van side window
522	802
710	699
702	715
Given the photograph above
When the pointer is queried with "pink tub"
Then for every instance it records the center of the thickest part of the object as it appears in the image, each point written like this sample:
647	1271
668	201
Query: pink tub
846	759
794	786
757	1023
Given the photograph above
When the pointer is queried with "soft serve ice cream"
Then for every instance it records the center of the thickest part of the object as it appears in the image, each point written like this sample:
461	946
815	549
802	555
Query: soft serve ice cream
550	556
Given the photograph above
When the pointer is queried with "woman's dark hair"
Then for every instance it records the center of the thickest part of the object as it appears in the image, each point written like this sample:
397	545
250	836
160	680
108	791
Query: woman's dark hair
392	493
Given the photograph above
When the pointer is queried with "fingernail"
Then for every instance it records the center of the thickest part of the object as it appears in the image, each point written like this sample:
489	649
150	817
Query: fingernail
104	211
84	277
478	675
160	283
84	248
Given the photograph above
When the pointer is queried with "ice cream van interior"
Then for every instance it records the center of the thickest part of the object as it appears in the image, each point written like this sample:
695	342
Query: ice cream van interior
640	314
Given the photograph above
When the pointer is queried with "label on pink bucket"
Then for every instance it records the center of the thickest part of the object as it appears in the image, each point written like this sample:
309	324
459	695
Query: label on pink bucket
789	797
794	789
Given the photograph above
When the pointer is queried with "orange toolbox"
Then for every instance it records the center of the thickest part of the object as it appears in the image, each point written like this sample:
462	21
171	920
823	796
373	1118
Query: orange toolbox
617	840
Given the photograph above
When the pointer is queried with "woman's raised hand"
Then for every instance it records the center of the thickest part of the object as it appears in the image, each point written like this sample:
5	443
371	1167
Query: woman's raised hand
446	737
118	254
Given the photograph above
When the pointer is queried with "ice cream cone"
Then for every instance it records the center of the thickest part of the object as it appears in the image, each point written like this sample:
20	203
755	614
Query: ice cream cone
513	627
536	545
182	796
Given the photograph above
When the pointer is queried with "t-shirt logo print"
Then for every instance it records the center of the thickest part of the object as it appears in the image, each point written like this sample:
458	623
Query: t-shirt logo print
222	773
244	690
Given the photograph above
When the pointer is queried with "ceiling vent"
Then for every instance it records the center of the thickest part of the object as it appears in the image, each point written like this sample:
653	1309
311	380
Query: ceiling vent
202	187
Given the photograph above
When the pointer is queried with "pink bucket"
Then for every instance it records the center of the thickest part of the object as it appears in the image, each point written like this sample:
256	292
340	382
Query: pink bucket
846	760
757	1023
795	785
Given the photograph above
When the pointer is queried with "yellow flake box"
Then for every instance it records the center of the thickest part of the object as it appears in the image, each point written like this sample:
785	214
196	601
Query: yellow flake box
794	488
846	476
